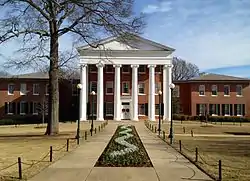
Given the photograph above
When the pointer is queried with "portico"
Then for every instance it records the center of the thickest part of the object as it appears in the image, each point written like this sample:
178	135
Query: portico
138	52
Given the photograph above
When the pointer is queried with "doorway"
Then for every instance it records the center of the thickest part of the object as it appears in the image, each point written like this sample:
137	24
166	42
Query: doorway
125	111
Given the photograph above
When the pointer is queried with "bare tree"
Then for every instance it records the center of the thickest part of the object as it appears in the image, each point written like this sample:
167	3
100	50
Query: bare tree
39	24
183	70
43	108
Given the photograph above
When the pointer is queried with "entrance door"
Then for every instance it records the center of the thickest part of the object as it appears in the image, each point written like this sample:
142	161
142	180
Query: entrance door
125	111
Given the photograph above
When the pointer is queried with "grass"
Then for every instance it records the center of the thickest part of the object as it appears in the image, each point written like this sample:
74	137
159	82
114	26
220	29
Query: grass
227	142
30	143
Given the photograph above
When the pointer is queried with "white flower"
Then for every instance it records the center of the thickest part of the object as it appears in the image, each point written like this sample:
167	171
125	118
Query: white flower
121	140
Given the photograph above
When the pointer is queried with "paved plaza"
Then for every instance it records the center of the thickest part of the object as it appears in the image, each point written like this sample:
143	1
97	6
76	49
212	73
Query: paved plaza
168	165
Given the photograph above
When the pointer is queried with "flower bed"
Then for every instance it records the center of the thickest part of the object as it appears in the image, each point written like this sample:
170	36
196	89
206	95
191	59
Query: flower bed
125	149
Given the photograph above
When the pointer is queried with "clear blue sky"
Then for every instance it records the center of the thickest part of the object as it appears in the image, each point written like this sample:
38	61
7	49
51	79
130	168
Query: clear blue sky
213	34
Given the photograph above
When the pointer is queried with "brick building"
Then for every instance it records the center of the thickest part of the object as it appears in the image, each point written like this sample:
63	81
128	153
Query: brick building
214	94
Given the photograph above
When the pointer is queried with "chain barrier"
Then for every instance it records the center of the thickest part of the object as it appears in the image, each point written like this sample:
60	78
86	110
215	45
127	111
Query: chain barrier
35	162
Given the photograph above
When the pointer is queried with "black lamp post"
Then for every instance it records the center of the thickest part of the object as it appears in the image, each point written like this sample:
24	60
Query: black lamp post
171	134
159	125
79	87
92	112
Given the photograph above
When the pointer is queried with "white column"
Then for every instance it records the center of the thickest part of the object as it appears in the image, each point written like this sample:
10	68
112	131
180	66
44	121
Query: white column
135	92
151	94
117	93
83	96
100	98
167	80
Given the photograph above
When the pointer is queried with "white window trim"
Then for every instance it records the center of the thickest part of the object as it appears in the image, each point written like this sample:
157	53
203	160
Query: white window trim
9	113
128	88
21	93
34	89
145	70
9	89
106	109
107	88
33	108
159	83
215	89
106	70
144	111
20	108
91	71
204	90
90	86
241	91
228	91
125	72
141	94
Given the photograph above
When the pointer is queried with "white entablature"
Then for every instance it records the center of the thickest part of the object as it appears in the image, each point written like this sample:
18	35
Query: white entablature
139	51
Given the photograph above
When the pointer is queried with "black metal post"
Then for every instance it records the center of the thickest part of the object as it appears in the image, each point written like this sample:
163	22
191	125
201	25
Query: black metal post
171	134
78	122
91	129
159	126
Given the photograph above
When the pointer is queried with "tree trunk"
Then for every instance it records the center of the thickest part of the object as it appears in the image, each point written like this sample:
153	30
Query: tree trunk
53	113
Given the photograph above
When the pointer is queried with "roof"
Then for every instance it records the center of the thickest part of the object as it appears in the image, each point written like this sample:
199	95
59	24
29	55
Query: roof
36	75
218	77
137	37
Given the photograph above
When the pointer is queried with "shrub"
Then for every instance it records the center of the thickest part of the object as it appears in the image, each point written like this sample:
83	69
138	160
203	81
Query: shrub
211	118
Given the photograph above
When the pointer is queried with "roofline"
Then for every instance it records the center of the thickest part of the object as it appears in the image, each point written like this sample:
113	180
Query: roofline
111	38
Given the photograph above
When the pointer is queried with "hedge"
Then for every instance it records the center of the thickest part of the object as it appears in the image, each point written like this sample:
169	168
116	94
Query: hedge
26	120
211	118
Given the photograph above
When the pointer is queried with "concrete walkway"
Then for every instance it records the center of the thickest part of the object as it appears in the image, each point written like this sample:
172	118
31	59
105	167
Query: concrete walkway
79	164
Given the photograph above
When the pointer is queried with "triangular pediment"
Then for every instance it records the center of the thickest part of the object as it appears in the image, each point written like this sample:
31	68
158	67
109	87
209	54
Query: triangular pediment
133	43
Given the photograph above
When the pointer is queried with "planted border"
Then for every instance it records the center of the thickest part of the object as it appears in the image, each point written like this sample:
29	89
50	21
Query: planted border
133	154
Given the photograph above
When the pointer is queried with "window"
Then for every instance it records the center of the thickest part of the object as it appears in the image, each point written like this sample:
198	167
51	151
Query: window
214	109
157	109
93	87
201	109
47	89
36	89
10	107
11	89
142	69
92	68
141	87
157	87
109	88
23	88
23	107
214	90
74	89
238	90
125	87
239	109
109	109
35	108
202	90
226	90
109	69
141	109
158	69
125	68
226	109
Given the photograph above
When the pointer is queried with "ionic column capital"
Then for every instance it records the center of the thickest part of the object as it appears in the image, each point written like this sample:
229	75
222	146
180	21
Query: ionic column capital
168	66
117	66
100	64
83	65
153	66
134	66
